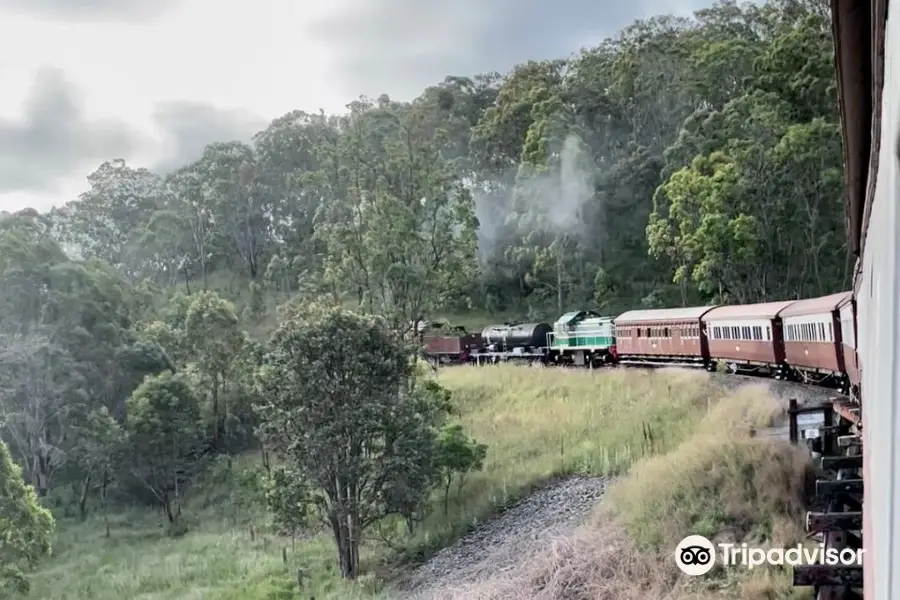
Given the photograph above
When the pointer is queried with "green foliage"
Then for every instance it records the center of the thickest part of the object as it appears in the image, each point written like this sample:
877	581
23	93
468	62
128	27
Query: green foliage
164	435
457	456
289	500
26	528
336	407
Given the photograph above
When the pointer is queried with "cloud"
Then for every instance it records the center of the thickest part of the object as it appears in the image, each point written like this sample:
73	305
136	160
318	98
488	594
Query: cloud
189	126
92	10
400	46
55	140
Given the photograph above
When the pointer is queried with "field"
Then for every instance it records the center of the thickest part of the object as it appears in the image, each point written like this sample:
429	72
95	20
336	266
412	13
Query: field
689	440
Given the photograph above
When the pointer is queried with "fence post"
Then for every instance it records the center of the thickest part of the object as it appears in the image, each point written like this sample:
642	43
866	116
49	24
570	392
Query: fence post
792	420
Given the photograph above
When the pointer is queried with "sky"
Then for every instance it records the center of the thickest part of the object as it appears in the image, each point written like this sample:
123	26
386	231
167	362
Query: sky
154	81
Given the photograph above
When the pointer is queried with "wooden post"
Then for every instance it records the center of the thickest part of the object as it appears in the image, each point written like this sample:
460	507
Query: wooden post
792	420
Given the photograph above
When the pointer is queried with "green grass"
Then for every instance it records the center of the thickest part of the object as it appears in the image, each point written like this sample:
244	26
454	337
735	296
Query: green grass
212	561
538	423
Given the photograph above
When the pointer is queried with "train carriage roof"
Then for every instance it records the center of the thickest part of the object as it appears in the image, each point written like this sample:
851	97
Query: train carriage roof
814	306
690	313
762	310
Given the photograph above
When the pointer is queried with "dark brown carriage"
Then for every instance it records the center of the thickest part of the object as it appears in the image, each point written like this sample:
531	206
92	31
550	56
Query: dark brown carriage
448	345
847	316
813	336
667	335
748	337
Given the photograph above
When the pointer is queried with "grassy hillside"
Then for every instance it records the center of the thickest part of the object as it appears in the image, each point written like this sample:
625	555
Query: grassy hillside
720	482
537	422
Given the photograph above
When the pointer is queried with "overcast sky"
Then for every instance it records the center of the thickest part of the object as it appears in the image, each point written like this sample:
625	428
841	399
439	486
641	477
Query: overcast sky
153	81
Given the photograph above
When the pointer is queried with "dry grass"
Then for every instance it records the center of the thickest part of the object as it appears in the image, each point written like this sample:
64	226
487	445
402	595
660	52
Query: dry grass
720	482
541	422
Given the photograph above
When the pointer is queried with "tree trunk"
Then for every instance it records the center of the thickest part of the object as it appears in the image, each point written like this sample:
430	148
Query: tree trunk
103	488
82	501
447	495
215	410
167	506
187	281
342	540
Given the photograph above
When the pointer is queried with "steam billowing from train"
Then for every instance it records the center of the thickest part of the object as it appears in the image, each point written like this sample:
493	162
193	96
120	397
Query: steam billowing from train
549	202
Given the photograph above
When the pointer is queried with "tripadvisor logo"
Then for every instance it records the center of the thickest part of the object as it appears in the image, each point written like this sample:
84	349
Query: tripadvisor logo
696	555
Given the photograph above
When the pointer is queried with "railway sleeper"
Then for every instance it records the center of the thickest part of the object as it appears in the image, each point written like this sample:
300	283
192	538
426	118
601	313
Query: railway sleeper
828	576
819	522
845	489
836	463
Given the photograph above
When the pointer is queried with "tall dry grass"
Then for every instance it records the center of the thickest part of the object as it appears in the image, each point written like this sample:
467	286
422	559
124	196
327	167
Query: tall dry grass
721	482
540	423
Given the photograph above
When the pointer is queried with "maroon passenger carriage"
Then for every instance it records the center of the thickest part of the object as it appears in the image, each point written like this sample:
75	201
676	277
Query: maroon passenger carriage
812	339
747	337
662	336
847	316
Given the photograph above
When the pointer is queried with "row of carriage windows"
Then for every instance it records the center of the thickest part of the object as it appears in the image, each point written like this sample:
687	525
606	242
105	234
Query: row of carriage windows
800	332
746	332
659	332
809	332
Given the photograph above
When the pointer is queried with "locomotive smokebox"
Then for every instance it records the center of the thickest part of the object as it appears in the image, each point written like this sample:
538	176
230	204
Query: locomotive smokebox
531	335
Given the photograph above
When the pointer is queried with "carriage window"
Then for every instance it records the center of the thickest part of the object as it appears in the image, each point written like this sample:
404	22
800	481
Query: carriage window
638	332
768	333
822	333
830	333
735	333
757	333
666	332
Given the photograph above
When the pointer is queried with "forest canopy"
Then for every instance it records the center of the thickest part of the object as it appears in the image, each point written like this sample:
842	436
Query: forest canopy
684	160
